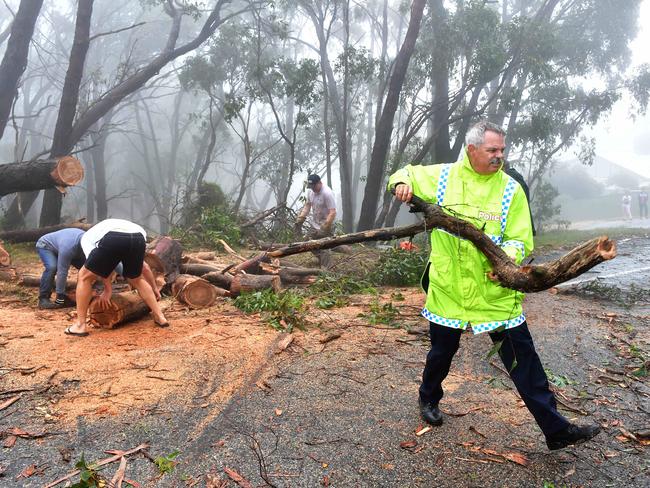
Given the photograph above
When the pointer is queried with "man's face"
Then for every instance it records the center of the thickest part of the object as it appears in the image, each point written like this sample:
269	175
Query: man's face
316	187
487	158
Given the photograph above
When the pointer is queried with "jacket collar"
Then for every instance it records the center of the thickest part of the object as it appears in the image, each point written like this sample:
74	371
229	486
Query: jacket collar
468	171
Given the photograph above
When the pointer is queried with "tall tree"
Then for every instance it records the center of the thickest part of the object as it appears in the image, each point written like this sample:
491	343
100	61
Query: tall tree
14	61
62	142
384	129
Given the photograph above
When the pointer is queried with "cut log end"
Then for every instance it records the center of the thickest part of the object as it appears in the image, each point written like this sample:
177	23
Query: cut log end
68	171
606	248
196	292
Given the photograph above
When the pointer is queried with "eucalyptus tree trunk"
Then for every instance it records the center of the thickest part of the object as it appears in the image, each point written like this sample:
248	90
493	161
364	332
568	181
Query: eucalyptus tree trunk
97	152
62	142
384	129
15	58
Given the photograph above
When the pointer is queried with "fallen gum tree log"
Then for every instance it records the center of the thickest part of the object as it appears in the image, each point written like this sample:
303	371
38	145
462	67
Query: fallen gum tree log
40	174
196	292
525	278
217	278
32	235
246	282
125	307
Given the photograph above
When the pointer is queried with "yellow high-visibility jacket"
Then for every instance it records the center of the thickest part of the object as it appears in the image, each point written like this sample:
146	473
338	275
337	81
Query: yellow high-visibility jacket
459	292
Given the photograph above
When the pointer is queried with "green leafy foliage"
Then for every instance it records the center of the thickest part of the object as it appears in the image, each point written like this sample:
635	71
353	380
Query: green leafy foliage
559	380
166	464
381	313
334	290
88	475
397	267
283	311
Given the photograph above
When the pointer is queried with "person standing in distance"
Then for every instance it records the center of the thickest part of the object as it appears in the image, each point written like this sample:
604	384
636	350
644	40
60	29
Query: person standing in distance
322	204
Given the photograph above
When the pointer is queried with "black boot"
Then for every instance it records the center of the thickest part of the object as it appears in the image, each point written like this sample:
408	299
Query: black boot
430	413
571	435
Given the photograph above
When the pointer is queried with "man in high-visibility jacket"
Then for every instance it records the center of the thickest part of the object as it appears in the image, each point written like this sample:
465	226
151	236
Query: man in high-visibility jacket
460	293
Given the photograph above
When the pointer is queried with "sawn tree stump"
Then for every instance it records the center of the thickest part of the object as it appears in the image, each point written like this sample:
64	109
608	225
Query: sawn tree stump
196	292
164	257
125	307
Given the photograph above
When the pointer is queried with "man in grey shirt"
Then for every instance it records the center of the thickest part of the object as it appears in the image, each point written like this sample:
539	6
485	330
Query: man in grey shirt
321	203
58	250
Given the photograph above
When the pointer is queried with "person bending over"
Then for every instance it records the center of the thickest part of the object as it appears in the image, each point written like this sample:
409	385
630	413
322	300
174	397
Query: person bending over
106	244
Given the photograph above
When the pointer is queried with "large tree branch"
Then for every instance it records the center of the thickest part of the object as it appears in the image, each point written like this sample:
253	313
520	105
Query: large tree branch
522	278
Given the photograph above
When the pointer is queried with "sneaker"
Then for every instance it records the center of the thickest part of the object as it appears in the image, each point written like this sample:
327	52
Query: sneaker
46	304
430	413
571	435
64	302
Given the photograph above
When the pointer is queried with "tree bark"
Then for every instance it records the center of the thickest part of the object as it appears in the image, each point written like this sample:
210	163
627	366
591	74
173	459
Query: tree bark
126	307
62	142
217	278
39	174
32	235
15	58
521	278
248	282
35	280
196	292
384	129
164	255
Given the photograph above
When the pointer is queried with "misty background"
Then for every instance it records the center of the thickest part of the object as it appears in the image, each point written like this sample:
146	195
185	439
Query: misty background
184	107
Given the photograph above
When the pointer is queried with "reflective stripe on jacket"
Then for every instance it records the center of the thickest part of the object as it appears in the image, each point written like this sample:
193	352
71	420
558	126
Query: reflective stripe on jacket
459	292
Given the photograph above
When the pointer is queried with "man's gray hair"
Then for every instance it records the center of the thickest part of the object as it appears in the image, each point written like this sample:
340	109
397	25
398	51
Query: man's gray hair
476	134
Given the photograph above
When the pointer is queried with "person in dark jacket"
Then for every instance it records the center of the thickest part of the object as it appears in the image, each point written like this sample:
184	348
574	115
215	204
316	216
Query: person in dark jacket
519	178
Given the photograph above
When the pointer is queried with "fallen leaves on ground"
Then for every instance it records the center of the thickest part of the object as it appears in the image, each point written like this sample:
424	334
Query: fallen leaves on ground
408	444
237	478
496	456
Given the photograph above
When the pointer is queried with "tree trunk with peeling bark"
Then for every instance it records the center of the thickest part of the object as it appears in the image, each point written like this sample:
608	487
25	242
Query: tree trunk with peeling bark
528	278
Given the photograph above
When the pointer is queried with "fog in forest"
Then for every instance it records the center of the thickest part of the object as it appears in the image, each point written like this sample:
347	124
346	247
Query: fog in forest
179	108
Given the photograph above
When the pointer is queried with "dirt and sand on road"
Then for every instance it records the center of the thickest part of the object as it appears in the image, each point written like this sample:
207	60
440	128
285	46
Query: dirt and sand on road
335	406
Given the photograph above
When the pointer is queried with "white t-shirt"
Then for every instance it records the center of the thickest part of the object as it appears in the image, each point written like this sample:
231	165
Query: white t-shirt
321	204
93	235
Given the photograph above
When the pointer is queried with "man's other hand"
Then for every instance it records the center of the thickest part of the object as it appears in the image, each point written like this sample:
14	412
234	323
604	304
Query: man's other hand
403	192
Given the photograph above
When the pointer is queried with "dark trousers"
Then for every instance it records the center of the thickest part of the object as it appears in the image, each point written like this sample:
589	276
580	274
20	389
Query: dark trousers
528	374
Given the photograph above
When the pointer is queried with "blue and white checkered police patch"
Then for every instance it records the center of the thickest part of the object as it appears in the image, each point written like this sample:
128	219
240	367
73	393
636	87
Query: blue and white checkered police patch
490	326
508	193
437	319
442	183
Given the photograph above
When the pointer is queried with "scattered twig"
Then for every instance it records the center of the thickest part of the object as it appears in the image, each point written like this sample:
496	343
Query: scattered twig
118	455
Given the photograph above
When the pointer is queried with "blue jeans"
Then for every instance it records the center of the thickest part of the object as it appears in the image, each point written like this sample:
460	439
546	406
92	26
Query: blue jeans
47	279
